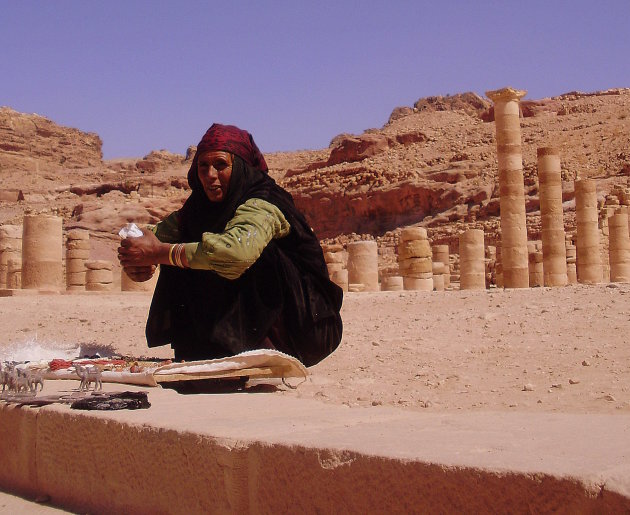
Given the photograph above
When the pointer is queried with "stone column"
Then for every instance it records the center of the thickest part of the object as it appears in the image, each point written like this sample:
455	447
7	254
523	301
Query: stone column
571	258
498	269
511	188
438	276
551	214
10	249
128	284
14	274
441	254
363	264
336	258
99	275
491	265
340	278
472	266
392	283
535	259
77	253
619	247
415	259
588	258
42	252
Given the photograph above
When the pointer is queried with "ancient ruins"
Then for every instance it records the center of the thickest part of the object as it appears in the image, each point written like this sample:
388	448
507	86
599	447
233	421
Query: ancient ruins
42	256
588	258
416	259
511	189
363	266
422	252
77	253
551	213
619	247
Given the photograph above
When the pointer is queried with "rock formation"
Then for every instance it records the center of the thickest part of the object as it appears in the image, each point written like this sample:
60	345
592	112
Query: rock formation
30	141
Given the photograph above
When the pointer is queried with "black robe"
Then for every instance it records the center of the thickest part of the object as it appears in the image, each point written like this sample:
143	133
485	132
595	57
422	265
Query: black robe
285	298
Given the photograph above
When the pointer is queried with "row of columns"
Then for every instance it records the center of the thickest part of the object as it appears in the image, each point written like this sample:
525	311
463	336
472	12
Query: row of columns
31	258
553	263
516	272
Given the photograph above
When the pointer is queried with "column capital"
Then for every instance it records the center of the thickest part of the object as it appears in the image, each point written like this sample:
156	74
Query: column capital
506	94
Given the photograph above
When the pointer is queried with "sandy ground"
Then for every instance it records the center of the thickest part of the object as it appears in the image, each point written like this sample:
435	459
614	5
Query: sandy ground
539	350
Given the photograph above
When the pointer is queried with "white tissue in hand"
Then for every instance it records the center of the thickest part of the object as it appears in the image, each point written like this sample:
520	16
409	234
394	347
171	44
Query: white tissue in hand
130	231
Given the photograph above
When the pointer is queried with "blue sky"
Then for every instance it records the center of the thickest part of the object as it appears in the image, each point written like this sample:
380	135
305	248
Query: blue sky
155	74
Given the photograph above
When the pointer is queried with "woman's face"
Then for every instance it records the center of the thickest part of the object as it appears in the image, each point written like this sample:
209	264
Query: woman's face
214	169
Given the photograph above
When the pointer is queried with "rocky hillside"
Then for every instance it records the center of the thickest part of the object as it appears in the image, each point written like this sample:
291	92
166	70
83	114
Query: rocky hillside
435	163
432	164
28	141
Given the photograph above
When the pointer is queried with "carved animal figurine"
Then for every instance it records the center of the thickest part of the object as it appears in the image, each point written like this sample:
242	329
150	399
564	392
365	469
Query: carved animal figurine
87	376
35	378
20	381
4	376
10	377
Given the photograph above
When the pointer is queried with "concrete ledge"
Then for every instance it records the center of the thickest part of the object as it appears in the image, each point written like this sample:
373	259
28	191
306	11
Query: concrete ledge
261	453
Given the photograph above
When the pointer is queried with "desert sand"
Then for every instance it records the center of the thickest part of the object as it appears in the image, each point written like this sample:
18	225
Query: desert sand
536	350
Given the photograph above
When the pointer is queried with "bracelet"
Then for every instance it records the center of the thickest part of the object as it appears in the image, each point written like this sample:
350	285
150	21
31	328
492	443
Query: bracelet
177	255
182	254
170	255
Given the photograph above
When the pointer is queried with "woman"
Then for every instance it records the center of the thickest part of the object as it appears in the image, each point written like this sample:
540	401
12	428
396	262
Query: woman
242	269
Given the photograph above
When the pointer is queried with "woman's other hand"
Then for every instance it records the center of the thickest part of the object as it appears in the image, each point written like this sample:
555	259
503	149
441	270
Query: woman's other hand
143	251
140	274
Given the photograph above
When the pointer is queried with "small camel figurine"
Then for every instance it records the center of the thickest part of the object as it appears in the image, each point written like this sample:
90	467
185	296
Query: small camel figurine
87	376
19	380
4	377
34	379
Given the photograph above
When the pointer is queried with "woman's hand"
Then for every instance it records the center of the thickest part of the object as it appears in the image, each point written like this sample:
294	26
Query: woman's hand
143	251
140	274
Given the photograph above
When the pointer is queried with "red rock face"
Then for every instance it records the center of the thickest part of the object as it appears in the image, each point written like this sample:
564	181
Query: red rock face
382	210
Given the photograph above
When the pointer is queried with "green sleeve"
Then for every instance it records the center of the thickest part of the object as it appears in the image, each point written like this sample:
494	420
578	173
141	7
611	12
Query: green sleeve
167	231
229	254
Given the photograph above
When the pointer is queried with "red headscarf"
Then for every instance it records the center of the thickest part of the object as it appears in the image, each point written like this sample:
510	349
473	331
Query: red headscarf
229	138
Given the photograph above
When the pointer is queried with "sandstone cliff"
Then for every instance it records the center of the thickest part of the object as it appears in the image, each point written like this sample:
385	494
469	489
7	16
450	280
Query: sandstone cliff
28	141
